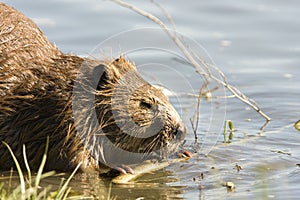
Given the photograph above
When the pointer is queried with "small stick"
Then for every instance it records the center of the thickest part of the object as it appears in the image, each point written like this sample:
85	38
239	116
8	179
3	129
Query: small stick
166	14
145	167
195	127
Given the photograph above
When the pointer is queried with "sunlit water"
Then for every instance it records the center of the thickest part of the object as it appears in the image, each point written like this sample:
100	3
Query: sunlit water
255	43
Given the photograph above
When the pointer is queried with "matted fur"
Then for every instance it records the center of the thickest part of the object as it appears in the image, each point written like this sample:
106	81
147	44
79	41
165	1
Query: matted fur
37	100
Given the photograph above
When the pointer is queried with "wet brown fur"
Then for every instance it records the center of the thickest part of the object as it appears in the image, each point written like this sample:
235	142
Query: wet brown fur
36	88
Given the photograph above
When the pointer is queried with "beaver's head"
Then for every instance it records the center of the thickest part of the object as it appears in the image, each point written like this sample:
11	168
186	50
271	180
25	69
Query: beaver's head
134	116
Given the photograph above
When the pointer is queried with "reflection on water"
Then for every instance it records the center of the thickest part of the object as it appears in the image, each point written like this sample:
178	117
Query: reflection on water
256	43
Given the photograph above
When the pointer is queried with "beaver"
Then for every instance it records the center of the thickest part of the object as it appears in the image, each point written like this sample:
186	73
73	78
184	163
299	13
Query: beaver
95	112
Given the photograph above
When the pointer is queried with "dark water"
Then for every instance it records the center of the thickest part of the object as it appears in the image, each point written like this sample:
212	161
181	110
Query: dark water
255	43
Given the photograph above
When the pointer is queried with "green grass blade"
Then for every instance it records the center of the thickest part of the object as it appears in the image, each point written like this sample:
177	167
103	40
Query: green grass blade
66	194
64	187
40	171
22	182
27	166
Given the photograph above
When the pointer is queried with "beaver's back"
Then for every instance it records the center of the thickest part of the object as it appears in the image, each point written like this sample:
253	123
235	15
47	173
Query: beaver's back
35	88
26	54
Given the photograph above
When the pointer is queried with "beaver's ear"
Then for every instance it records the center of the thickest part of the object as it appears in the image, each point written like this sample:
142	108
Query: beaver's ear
98	74
118	68
112	72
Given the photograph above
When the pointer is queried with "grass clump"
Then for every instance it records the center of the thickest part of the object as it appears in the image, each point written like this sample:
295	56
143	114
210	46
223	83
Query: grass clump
29	188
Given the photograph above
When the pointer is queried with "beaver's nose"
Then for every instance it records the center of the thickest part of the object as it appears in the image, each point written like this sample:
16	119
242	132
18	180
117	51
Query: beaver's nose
180	132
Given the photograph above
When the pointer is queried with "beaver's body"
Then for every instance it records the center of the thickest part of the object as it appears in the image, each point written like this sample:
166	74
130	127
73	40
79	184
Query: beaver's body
41	95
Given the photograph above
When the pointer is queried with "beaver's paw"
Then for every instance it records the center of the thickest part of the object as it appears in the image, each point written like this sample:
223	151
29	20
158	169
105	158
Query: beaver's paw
185	154
123	169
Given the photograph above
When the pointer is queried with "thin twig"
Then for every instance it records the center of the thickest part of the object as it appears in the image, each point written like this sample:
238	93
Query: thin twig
196	115
166	14
192	121
146	167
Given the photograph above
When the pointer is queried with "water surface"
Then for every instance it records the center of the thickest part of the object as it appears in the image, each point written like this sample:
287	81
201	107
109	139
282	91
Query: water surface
255	43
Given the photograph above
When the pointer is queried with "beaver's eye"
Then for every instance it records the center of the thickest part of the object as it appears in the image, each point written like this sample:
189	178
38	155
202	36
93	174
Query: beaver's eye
145	105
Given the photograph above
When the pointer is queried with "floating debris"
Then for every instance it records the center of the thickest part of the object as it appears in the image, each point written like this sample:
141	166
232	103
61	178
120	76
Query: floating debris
282	152
202	176
225	43
297	125
229	185
287	75
238	167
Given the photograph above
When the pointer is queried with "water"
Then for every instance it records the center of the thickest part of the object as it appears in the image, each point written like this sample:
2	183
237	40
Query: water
255	43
